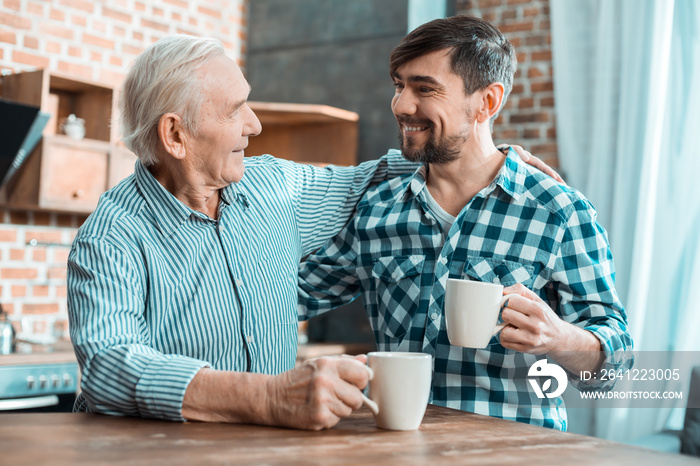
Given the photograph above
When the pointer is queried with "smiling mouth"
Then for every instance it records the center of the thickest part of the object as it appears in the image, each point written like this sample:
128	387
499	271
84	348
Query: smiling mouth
415	126
409	129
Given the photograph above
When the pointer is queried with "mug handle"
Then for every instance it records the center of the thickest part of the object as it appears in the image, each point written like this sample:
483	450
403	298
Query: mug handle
369	403
500	326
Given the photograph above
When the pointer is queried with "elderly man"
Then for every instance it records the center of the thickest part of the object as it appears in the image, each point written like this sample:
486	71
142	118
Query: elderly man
182	285
473	212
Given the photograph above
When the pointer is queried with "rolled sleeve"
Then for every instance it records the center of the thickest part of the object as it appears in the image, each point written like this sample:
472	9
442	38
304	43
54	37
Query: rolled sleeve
162	385
586	280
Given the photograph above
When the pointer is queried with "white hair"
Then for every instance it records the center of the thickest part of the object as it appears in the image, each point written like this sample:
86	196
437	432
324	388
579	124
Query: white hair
162	80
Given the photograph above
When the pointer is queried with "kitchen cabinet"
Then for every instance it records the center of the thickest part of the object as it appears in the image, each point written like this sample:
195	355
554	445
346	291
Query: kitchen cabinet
62	174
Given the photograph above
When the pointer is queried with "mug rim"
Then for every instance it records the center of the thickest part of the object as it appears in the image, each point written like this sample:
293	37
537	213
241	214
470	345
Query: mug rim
399	354
479	282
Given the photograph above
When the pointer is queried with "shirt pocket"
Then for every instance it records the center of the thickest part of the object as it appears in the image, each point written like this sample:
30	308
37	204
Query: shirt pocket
499	271
398	292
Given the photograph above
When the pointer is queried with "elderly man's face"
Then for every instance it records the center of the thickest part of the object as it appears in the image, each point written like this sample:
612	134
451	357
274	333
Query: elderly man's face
216	152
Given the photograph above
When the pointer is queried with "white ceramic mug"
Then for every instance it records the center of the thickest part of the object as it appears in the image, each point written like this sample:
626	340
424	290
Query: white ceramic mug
399	388
471	311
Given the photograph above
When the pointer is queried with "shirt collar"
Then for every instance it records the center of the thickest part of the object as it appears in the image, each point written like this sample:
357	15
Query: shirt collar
235	192
510	178
417	183
169	212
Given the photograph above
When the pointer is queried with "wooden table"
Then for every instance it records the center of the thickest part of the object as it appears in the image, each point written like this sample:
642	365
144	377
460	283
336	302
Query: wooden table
446	437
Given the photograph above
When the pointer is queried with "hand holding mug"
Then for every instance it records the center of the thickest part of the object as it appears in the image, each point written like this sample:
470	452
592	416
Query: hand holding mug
533	326
317	394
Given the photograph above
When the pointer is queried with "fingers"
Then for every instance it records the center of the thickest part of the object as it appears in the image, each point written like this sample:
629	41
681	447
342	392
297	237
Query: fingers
544	168
336	384
359	357
523	291
519	312
532	160
317	394
524	155
552	173
351	369
532	325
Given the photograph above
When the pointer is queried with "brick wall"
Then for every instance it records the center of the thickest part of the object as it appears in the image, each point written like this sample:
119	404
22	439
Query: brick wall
95	41
528	117
34	247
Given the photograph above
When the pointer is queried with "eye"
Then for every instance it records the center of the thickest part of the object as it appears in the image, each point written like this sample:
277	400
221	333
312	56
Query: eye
425	90
398	86
233	116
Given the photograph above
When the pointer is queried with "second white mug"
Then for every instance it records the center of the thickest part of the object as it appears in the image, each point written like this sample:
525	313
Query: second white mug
399	388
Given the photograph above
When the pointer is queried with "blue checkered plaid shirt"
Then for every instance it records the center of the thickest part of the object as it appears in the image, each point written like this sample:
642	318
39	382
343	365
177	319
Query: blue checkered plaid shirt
522	228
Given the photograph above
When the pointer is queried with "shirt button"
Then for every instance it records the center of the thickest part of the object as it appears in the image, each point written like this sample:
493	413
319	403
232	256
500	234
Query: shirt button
434	315
220	227
249	339
443	260
239	282
496	280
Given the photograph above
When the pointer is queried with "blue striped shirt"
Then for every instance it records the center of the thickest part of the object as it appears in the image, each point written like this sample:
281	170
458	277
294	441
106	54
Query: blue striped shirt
156	290
522	228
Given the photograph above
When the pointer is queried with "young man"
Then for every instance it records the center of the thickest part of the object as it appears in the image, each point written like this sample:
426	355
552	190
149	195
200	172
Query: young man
473	212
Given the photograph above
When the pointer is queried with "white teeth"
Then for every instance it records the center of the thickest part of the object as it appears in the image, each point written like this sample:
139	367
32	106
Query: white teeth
415	128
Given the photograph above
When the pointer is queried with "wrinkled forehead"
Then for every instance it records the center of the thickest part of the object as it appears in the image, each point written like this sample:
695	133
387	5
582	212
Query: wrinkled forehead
221	81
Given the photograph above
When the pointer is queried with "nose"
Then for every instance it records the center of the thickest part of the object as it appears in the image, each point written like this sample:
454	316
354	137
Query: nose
403	103
251	125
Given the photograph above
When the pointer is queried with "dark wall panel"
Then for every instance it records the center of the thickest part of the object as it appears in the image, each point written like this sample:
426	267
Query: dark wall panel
329	52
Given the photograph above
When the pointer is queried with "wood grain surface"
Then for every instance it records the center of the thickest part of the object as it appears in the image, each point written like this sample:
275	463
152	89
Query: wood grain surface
445	437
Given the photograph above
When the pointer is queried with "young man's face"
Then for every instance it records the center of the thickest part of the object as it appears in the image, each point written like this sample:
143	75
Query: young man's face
434	116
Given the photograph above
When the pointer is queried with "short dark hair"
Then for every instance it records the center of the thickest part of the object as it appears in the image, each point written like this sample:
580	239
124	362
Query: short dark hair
480	53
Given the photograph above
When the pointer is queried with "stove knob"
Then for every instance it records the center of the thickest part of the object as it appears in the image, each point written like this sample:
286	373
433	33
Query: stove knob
55	381
67	380
43	382
31	382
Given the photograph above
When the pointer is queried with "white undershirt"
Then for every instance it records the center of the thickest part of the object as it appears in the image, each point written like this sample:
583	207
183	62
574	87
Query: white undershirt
446	220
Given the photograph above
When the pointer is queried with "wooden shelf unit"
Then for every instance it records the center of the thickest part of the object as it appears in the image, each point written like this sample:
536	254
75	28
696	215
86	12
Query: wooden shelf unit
306	133
62	174
60	95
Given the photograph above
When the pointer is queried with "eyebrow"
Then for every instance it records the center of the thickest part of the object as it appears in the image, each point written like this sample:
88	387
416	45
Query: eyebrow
419	79
239	103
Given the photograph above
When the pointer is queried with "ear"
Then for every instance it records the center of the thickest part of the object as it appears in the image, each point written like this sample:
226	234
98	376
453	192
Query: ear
172	135
492	98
